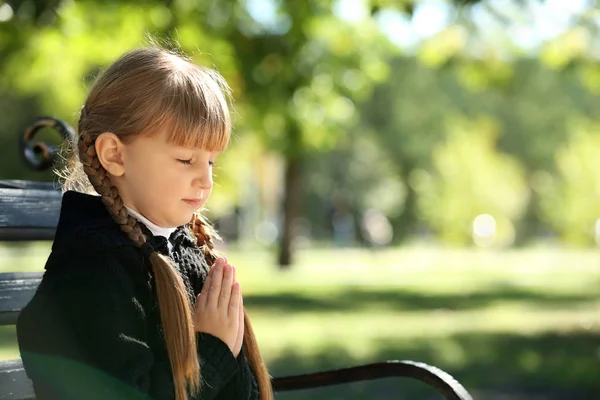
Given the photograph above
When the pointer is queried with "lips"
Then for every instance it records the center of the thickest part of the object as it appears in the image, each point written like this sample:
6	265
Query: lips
193	202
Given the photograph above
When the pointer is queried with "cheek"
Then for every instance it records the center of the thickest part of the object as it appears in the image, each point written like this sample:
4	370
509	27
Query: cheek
172	180
152	179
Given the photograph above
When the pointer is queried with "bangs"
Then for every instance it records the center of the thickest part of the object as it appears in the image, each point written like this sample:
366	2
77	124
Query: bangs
194	109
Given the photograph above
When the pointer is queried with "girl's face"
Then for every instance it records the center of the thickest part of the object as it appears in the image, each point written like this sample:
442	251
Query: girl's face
164	182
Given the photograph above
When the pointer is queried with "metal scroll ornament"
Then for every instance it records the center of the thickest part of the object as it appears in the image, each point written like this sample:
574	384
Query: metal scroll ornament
39	155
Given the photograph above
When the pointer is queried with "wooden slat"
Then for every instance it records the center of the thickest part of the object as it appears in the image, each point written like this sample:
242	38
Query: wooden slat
16	289
14	383
28	214
20	184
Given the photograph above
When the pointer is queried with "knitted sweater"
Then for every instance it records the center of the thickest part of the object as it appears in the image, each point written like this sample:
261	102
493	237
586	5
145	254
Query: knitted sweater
93	329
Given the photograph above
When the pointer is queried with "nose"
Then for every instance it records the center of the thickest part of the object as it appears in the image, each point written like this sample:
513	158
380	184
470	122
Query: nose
204	179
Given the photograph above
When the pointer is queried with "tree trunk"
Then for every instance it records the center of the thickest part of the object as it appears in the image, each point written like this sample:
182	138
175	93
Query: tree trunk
291	201
407	222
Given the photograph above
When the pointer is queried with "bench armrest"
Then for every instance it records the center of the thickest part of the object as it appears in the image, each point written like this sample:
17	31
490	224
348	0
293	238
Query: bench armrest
443	382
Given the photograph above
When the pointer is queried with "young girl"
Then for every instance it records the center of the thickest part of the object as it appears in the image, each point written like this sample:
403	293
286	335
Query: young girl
128	307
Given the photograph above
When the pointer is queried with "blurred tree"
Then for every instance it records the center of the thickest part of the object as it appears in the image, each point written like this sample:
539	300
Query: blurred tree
571	201
533	107
470	179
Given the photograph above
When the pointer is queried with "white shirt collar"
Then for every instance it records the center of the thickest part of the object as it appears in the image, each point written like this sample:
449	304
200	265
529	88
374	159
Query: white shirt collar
155	229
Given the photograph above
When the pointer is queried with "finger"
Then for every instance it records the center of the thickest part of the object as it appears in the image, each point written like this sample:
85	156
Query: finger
241	326
240	332
226	286
234	301
203	295
214	289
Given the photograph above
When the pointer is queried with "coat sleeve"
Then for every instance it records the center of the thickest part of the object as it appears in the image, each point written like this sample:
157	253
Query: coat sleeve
241	385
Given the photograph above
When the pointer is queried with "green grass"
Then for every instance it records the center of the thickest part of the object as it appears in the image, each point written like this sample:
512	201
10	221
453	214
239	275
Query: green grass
522	322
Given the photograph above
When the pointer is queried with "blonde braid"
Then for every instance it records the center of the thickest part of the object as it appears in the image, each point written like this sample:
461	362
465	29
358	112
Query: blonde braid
205	236
175	309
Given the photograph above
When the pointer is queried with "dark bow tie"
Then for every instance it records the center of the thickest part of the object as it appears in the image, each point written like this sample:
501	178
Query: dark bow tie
159	243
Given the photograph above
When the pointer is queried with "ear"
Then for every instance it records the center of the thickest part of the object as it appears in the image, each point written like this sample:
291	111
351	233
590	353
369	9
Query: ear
109	149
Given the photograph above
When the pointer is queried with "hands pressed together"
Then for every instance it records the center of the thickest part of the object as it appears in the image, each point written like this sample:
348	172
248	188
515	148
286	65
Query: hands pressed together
219	306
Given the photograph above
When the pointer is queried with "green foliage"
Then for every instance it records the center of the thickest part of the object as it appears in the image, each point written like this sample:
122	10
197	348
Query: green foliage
569	46
440	48
303	78
471	178
359	174
571	199
530	103
62	59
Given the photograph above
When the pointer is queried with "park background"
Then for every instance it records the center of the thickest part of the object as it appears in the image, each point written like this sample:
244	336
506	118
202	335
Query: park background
409	179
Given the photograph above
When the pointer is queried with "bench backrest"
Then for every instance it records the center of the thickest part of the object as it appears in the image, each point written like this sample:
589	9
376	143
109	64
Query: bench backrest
28	211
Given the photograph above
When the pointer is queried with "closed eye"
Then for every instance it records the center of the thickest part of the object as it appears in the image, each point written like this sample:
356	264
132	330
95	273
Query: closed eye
189	162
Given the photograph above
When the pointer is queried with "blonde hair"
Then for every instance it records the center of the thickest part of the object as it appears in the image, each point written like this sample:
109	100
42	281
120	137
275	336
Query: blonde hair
149	89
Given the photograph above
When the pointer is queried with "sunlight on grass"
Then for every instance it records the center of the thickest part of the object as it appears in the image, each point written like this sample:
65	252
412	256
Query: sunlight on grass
23	257
309	332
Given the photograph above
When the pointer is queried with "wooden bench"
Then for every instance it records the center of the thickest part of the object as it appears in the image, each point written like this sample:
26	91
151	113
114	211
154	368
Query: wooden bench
29	211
